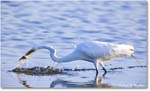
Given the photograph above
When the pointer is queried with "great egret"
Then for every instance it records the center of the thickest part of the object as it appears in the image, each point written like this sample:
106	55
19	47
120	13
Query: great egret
92	51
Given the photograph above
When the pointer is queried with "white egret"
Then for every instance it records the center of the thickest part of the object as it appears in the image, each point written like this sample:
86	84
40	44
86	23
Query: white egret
92	51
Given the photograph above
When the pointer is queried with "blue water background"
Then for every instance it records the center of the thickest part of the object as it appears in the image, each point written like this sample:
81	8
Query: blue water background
63	24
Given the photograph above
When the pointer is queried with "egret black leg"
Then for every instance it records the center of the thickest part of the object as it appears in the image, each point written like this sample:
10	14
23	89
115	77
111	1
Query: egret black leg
96	67
105	71
96	72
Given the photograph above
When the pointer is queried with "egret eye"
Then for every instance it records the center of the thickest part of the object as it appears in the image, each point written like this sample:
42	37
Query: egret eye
131	50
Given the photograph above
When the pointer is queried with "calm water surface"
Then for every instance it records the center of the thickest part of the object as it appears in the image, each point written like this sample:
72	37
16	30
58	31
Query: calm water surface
64	24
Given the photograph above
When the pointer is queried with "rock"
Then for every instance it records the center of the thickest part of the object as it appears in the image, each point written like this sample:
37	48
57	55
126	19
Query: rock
38	70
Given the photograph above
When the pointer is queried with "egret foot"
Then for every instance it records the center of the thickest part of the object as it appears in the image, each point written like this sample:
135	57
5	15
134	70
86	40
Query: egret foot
96	72
105	71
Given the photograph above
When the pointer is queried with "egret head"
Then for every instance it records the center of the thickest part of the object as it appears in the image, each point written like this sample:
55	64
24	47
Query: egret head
52	51
27	54
123	50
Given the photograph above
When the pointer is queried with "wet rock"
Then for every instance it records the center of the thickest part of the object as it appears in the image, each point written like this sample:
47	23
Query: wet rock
136	66
44	70
116	68
37	70
77	69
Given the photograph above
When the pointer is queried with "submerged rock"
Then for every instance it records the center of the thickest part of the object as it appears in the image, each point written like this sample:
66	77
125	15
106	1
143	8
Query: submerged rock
116	68
38	70
136	66
44	70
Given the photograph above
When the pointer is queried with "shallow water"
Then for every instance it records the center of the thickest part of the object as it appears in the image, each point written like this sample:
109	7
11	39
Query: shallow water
64	24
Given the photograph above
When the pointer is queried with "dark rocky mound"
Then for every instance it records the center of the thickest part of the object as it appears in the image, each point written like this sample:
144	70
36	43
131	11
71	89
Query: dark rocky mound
44	71
38	70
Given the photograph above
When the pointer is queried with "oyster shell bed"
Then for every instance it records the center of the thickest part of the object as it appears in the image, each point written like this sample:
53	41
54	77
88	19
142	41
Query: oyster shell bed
44	71
37	70
51	70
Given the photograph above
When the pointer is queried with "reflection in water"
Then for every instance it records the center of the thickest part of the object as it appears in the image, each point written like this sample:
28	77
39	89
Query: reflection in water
97	82
23	82
78	79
